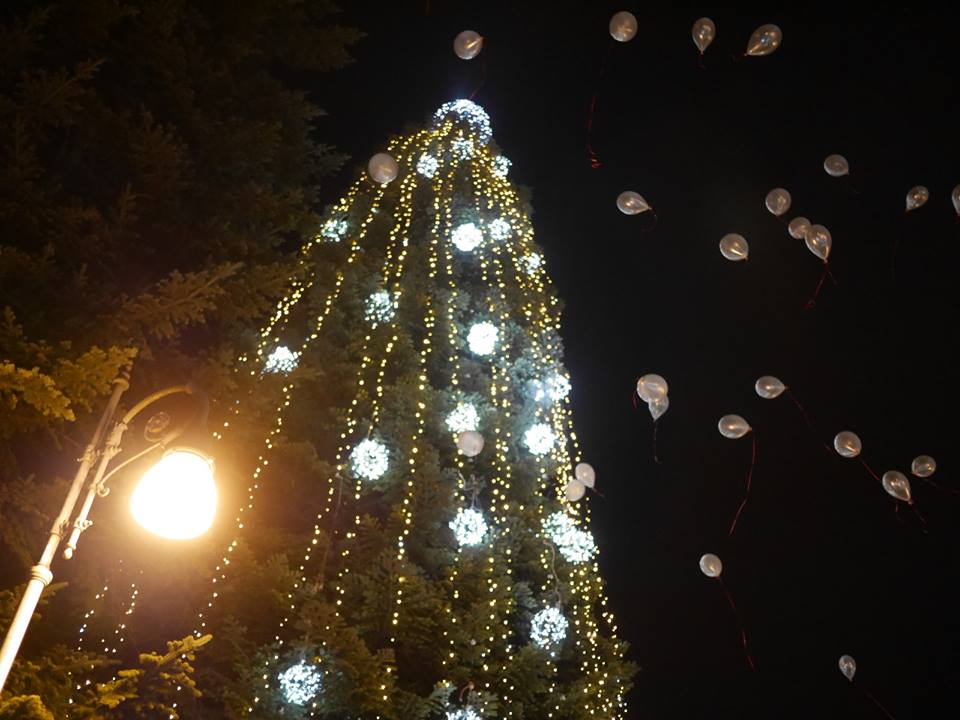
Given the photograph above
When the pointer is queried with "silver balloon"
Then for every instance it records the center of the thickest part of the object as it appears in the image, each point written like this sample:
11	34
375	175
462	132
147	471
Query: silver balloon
765	40
733	246
467	45
955	198
652	387
382	168
923	466
623	26
917	197
710	565
585	473
847	444
574	490
819	241
836	165
470	443
658	407
632	203
768	387
778	201
704	31
896	484
798	228
848	666
733	426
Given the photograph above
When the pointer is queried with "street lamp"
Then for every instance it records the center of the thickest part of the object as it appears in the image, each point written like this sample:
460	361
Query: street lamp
176	498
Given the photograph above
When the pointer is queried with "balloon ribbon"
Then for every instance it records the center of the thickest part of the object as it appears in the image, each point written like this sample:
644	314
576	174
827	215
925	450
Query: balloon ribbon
877	703
594	160
746	495
483	76
743	632
811	303
656	459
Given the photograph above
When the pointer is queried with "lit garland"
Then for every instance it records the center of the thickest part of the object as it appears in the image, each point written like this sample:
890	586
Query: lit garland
379	308
574	544
281	360
300	683
334	229
482	338
370	459
469	113
548	628
427	165
499	229
467	237
469	527
539	439
463	417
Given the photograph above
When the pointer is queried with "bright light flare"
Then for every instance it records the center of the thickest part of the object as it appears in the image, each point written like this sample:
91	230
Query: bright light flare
177	497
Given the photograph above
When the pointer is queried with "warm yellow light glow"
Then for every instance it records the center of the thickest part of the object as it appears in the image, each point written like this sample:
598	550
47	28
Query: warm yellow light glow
176	498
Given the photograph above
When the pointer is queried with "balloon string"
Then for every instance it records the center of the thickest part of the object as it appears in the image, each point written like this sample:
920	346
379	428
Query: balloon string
803	411
920	517
594	160
811	303
849	186
702	66
877	703
746	495
483	76
656	458
870	470
743	631
653	224
941	488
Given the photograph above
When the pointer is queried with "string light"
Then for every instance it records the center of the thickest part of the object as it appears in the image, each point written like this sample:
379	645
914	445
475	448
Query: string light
469	527
482	338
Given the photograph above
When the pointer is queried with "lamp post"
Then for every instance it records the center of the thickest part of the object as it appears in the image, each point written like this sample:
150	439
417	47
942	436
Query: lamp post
179	488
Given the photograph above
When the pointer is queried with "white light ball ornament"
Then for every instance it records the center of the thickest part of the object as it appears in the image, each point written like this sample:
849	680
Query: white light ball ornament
466	237
427	165
548	628
470	443
281	360
467	45
733	246
383	168
177	497
623	26
632	203
482	338
300	683
463	417
370	459
711	566
469	527
539	439
574	544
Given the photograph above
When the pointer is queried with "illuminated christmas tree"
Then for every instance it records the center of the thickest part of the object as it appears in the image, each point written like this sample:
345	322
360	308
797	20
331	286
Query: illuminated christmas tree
423	445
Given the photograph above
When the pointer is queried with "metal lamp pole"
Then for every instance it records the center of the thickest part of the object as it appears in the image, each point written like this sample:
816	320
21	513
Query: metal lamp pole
97	452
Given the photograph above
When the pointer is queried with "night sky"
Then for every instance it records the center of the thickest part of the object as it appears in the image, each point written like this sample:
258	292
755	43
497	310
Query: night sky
821	563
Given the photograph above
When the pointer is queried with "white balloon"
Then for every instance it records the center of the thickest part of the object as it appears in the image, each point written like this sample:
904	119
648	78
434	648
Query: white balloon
847	444
819	241
623	26
710	565
574	490
467	45
836	166
955	199
917	197
585	473
923	466
734	247
658	407
382	168
848	666
632	203
733	426
798	228
651	387
470	443
897	485
704	31
768	387
778	201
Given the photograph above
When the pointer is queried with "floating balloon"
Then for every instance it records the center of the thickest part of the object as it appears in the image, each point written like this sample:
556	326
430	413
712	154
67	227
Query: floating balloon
704	31
955	198
470	443
836	166
896	484
585	473
765	40
574	490
734	247
733	426
382	168
632	203
819	241
798	228
848	666
623	26
467	45
768	387
847	444
658	407
711	566
923	466
917	197
651	387
778	201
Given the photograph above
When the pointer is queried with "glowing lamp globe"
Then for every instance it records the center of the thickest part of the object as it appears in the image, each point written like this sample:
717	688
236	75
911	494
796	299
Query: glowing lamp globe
177	497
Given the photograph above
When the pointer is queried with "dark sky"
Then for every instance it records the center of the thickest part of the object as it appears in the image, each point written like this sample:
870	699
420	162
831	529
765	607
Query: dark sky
821	564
